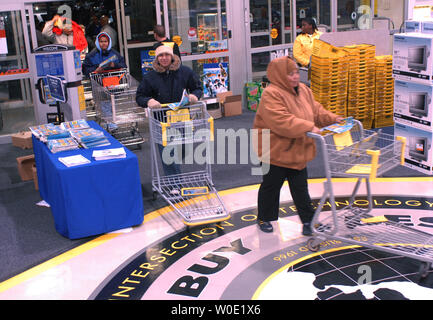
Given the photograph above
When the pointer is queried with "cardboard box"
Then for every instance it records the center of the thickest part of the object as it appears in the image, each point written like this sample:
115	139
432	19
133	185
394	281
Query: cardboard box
412	57
231	104
418	152
25	165
22	140
413	104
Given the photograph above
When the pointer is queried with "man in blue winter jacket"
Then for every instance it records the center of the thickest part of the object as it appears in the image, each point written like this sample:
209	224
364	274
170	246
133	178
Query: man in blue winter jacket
103	57
165	84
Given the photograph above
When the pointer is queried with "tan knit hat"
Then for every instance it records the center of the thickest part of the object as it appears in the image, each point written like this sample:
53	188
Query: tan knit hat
163	49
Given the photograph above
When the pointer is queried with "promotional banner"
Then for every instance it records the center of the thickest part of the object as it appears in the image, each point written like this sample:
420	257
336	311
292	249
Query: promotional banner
147	57
215	79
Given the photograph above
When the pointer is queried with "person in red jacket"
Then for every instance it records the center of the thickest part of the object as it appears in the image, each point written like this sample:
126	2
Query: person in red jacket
288	111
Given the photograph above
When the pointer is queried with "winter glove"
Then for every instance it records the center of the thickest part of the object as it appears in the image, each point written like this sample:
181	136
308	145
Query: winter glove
153	104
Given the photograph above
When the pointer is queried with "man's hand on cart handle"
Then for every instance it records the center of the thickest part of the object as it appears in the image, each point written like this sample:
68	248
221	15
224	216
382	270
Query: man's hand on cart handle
192	98
153	104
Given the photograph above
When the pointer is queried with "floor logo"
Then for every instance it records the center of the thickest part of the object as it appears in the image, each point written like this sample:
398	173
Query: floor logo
234	260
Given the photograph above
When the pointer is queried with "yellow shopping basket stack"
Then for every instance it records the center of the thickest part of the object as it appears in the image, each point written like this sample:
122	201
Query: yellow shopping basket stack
360	95
329	76
384	95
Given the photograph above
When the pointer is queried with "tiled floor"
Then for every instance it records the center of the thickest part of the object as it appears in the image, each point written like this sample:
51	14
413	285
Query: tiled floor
162	259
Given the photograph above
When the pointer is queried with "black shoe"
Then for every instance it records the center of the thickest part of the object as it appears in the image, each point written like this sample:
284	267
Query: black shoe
265	226
306	229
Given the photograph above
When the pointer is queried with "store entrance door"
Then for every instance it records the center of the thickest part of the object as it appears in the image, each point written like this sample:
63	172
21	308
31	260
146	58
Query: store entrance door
268	33
135	28
16	110
201	30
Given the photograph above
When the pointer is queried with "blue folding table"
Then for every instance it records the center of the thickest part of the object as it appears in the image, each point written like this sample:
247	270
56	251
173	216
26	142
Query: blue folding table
90	199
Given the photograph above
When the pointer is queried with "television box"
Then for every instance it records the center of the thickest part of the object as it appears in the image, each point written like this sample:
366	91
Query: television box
230	104
22	140
25	165
413	104
427	27
412	26
418	152
412	57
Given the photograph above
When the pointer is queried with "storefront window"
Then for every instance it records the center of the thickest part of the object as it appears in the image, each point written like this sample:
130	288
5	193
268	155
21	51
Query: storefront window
354	15
16	110
11	59
319	10
140	18
270	23
198	26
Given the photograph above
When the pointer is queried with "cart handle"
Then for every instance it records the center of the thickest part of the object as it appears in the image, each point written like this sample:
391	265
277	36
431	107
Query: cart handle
164	126
211	128
374	162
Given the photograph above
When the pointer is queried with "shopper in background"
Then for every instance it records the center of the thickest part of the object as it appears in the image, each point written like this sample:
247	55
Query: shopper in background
105	27
165	84
103	57
303	46
288	110
59	31
160	37
41	38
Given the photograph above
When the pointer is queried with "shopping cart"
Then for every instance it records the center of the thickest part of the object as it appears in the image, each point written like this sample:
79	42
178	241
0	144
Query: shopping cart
88	97
191	192
114	96
364	154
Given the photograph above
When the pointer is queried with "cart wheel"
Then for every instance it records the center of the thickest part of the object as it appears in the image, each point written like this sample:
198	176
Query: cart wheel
424	269
311	246
154	195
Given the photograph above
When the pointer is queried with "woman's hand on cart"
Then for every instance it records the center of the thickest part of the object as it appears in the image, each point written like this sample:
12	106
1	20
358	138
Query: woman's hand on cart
340	119
315	130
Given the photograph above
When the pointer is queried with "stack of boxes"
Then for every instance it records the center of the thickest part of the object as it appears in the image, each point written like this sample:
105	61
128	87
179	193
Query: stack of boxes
413	93
384	92
329	77
360	99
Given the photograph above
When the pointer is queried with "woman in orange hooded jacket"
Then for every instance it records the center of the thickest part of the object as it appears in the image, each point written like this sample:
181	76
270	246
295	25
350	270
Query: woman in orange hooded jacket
287	111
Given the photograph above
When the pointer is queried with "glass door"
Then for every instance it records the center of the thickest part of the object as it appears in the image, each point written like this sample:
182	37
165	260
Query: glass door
137	19
269	33
16	109
198	27
354	15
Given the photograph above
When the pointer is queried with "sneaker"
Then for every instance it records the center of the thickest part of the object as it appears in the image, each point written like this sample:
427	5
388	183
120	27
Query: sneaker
265	226
306	229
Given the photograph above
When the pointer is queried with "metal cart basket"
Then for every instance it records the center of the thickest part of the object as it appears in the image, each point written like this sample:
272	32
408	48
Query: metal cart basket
364	154
114	96
191	194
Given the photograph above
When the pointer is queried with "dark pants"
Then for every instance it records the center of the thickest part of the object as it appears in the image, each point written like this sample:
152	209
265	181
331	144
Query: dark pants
173	168
269	193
